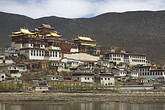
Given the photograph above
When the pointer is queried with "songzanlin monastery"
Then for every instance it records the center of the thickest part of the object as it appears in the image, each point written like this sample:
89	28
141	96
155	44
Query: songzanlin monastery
44	43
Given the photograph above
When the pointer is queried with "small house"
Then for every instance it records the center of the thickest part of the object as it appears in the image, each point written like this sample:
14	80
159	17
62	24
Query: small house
40	86
107	79
84	77
53	78
2	76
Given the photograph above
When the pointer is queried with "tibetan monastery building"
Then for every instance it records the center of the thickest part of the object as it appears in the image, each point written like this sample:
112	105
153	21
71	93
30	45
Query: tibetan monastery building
86	44
42	43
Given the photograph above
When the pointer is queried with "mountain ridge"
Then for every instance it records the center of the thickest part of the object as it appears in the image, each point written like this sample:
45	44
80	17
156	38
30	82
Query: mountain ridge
143	30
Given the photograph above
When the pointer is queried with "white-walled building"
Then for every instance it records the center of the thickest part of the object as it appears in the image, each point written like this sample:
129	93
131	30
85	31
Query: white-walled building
105	63
53	77
128	58
70	63
134	73
84	77
10	51
58	65
107	79
5	61
43	43
41	54
14	71
2	76
122	72
40	86
137	59
19	67
149	72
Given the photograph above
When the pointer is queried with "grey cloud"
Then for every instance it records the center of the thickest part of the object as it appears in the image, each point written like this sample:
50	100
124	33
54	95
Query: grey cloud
77	8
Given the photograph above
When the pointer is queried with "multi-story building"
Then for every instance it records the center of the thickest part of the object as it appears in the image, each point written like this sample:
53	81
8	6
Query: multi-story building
86	44
150	72
128	58
107	79
43	43
84	77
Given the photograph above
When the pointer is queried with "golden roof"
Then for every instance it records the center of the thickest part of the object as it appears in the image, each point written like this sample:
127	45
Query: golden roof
24	31
84	38
54	34
89	44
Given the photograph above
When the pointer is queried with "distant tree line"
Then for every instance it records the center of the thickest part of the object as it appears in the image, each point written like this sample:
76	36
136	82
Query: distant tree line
12	86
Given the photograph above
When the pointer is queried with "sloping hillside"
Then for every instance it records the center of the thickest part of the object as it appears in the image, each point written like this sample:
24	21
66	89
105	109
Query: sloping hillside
144	31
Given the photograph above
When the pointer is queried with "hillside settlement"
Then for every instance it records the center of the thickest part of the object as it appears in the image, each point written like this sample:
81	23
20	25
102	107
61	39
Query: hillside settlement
42	60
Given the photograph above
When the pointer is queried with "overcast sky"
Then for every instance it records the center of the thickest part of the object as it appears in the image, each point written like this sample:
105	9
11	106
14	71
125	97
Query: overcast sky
76	8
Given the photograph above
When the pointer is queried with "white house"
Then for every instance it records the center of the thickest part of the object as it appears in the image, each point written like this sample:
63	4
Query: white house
10	51
129	58
122	72
84	77
134	73
5	61
70	63
60	66
149	72
40	86
2	76
14	71
65	64
137	59
104	62
19	67
53	77
41	54
107	79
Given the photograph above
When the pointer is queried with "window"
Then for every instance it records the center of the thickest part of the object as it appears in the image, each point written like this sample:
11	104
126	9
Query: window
161	73
31	52
53	53
34	52
88	78
105	78
85	78
50	53
37	53
56	54
59	54
108	78
42	53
